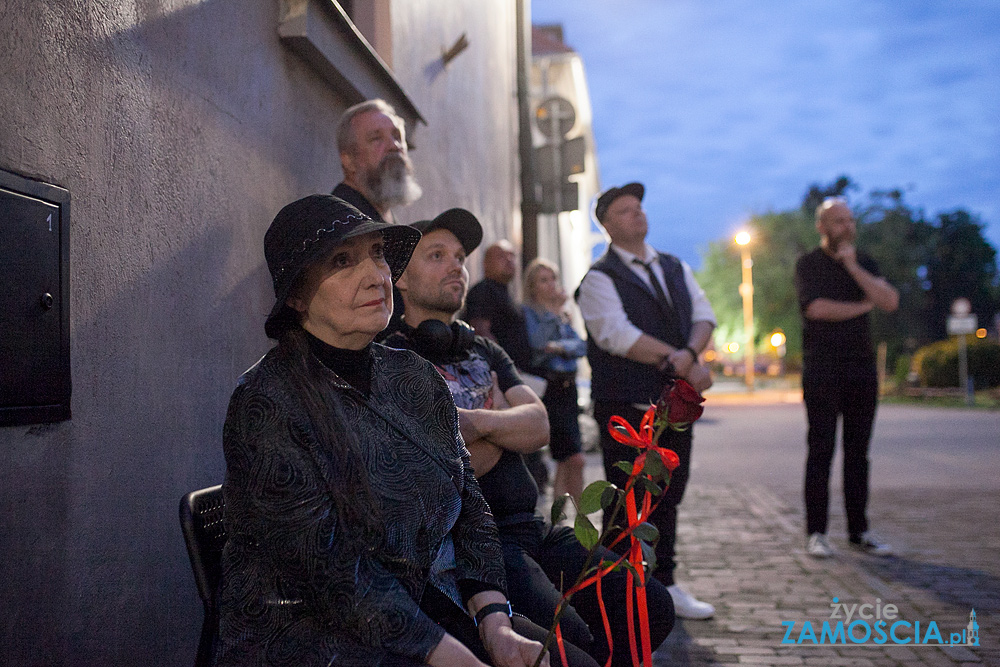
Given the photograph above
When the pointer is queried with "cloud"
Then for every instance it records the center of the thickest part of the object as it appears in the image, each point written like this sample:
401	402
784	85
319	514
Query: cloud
735	106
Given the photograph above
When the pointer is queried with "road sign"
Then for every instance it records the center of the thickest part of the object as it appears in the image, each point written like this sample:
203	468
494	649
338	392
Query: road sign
555	117
959	325
961	306
570	156
568	197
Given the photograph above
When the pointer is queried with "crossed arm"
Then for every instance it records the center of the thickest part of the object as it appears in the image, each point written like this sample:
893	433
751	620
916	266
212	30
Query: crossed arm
878	293
517	421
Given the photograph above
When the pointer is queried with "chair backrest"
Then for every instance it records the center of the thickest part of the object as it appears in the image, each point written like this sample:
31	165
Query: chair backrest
205	534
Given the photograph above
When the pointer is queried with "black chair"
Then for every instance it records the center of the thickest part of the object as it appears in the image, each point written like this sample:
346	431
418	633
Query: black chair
205	535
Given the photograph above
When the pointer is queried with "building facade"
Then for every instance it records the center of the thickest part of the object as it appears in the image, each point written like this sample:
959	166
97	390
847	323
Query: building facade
557	73
179	128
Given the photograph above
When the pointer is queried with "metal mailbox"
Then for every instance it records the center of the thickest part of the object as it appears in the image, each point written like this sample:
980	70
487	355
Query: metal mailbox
34	302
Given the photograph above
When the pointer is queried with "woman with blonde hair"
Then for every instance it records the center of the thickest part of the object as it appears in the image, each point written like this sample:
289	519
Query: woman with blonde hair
555	347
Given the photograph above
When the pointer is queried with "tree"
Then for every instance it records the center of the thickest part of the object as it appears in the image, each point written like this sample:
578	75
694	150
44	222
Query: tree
777	240
901	241
817	193
930	263
962	264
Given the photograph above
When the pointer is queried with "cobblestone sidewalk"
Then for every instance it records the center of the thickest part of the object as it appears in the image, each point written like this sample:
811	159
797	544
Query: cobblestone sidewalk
742	549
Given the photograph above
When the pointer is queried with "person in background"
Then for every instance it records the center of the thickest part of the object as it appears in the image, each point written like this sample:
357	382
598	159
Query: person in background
555	347
378	173
501	418
647	320
838	286
357	534
492	312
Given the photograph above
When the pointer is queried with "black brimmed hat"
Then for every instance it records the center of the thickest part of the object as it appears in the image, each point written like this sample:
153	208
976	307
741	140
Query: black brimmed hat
304	231
637	190
459	222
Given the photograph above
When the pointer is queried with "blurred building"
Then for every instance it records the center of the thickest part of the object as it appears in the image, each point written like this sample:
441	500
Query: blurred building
165	135
565	154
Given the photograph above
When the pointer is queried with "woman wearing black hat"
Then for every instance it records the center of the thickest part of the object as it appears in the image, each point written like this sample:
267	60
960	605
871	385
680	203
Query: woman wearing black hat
357	534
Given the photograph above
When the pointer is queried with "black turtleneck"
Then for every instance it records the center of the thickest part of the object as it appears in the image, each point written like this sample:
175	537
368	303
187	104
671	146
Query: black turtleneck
352	366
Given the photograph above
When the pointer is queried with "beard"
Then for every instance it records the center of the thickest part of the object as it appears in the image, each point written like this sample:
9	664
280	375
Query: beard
833	243
392	182
440	299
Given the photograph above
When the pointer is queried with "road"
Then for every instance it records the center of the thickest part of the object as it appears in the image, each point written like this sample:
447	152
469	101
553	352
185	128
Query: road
911	447
935	497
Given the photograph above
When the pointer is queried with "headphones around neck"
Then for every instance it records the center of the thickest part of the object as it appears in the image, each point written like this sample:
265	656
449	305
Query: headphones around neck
438	341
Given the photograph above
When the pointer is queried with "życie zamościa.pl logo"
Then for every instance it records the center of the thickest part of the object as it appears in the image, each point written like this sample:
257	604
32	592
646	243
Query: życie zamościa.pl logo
875	625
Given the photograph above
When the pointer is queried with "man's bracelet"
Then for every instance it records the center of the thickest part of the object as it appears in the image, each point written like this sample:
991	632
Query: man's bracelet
694	355
493	608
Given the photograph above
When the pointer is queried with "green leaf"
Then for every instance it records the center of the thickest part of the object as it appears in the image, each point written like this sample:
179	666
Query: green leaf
558	508
649	554
585	531
651	486
590	500
646	532
628	566
654	464
625	466
610	496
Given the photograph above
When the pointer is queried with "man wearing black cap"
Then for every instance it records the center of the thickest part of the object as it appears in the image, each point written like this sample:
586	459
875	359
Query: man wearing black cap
501	419
646	317
434	290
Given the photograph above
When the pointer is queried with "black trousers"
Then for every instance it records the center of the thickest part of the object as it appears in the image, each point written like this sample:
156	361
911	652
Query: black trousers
850	396
665	515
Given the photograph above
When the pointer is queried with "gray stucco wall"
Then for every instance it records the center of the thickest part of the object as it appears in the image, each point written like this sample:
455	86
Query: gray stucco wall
467	154
179	129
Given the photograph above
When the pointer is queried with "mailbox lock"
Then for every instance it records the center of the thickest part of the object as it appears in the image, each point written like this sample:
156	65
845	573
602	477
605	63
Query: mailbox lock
47	301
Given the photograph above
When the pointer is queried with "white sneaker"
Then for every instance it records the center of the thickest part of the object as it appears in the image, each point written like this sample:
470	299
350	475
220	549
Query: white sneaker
870	543
818	547
686	606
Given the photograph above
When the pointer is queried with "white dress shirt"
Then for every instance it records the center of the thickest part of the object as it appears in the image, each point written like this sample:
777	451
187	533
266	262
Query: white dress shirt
602	308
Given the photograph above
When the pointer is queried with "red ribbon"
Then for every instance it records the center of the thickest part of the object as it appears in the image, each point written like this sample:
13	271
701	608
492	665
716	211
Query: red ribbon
643	440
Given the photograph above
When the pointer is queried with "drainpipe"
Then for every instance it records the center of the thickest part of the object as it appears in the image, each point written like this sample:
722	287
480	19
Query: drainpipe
529	204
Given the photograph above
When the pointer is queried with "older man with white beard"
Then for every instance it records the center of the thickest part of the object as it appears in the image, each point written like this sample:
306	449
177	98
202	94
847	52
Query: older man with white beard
378	174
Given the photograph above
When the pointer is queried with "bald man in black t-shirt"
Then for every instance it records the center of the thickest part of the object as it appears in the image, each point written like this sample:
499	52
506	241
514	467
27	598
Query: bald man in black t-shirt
838	286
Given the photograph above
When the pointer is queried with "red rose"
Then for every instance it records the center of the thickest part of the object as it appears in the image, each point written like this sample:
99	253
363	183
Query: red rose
684	404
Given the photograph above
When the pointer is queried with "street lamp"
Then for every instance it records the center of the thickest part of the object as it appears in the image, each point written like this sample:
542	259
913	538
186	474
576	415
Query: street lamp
778	343
746	291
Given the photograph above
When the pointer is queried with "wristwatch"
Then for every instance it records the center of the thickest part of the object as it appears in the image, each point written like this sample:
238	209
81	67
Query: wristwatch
493	608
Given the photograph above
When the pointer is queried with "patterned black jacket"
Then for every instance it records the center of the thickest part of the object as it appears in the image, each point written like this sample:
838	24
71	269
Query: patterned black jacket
296	589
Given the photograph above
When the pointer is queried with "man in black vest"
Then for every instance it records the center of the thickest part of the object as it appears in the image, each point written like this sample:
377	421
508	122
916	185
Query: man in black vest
646	316
378	174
